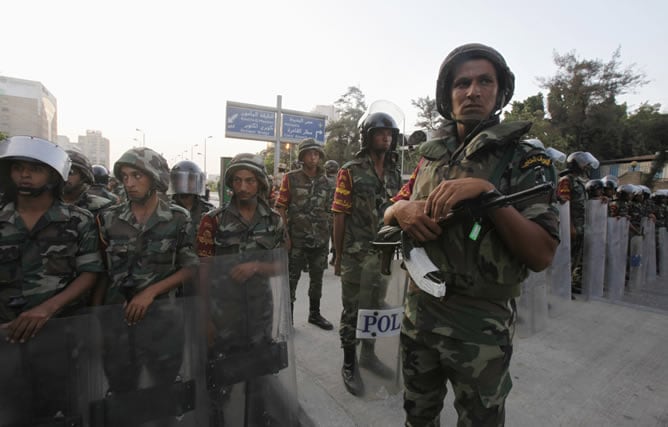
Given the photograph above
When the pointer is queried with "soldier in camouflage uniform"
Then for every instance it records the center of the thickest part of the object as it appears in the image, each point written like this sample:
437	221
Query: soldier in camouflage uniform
100	184
187	186
609	189
332	169
466	336
364	186
572	189
149	254
78	187
48	249
240	304
304	201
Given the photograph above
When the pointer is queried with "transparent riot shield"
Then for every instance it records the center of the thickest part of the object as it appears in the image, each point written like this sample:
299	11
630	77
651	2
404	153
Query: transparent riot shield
251	376
662	250
49	380
635	262
594	249
380	311
151	373
532	305
616	257
649	229
559	273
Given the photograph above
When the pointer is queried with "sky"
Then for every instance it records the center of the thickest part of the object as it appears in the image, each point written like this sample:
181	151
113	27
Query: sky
168	67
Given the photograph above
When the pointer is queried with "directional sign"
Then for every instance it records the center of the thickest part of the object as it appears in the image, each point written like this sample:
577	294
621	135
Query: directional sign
250	122
299	127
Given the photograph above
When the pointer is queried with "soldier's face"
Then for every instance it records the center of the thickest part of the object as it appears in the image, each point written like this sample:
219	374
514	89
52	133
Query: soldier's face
29	175
137	184
381	139
474	90
244	185
73	181
310	158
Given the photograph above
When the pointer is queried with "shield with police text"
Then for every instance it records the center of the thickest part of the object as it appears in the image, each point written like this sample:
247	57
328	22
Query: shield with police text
559	272
593	258
251	375
379	316
615	259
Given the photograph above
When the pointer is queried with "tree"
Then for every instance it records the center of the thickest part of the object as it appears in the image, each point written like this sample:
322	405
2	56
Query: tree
428	116
343	134
582	102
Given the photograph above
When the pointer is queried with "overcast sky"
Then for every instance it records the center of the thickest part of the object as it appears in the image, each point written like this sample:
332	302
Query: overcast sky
169	67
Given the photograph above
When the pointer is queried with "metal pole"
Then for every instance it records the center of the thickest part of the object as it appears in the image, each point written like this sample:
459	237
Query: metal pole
277	150
205	139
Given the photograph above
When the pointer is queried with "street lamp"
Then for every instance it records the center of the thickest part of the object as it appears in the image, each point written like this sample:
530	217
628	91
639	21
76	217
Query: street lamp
191	151
205	139
143	137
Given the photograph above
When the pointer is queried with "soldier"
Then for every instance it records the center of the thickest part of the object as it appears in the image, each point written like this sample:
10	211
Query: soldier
466	336
364	186
609	189
623	198
187	186
572	189
148	246
594	189
303	202
332	168
101	183
240	314
77	190
49	250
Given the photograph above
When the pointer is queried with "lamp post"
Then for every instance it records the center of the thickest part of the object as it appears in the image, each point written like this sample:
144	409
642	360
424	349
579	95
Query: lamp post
143	137
192	156
205	139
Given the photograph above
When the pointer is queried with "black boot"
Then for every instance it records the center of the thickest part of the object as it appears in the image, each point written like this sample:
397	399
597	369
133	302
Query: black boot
315	318
371	362
350	374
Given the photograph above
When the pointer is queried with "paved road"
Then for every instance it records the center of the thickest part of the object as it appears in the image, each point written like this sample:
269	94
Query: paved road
598	364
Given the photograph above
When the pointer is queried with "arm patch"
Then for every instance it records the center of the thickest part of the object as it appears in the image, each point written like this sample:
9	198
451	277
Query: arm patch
534	160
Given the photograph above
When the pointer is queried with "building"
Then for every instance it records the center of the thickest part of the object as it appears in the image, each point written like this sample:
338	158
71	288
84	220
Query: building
634	170
27	108
95	147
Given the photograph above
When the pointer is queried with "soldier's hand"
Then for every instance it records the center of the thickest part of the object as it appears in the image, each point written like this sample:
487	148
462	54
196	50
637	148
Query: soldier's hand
243	272
451	192
135	310
412	219
337	265
27	324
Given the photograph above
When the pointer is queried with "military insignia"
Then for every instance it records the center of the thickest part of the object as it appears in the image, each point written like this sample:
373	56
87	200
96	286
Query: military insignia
535	160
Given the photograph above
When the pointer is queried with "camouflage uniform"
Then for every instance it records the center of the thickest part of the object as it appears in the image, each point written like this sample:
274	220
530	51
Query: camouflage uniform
39	263
466	336
572	188
363	197
100	191
307	201
92	203
200	207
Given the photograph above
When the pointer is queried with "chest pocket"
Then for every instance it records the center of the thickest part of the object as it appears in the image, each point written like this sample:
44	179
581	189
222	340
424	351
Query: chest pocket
59	255
161	252
10	264
118	255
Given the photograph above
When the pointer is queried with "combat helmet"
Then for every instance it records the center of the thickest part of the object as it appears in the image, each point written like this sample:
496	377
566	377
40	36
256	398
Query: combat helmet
331	167
186	177
251	162
83	165
593	186
147	161
505	77
581	162
375	121
610	182
310	144
101	174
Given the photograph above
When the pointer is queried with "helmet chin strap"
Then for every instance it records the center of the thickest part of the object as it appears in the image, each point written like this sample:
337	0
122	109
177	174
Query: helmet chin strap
34	192
142	200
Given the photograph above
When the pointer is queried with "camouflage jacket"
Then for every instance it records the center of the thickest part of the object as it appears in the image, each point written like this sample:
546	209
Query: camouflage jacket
39	263
140	255
223	231
200	207
661	215
101	190
572	188
92	203
636	214
307	201
363	197
484	267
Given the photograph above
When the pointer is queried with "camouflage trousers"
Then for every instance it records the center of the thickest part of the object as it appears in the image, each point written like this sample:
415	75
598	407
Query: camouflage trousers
316	260
477	372
350	292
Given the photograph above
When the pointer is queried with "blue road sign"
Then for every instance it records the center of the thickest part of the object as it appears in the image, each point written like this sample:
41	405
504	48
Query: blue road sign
250	123
298	127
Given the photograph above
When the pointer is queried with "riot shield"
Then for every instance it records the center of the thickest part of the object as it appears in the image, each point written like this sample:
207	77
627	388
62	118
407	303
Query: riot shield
635	262
388	107
251	376
593	259
615	259
380	311
559	273
151	373
532	305
662	250
49	380
649	229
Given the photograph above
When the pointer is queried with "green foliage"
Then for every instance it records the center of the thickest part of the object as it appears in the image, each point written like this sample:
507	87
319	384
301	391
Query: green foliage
428	116
533	109
343	135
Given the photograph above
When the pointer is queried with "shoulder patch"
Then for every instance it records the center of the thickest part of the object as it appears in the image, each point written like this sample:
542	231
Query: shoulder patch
537	159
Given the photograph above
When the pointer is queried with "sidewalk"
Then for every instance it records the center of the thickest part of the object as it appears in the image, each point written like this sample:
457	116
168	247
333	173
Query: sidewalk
599	364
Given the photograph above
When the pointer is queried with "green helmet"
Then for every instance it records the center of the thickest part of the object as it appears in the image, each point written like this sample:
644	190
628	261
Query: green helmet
81	162
310	144
251	162
147	161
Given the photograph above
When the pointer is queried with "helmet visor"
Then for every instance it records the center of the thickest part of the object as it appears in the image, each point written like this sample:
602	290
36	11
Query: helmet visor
183	182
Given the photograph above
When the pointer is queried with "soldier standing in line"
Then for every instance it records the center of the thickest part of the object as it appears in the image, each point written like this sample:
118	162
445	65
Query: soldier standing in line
101	183
332	169
148	246
79	183
49	259
187	186
364	186
571	189
303	202
465	337
609	191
